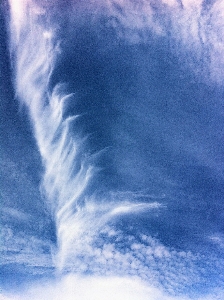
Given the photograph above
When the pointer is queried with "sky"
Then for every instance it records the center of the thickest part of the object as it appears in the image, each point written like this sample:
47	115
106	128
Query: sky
112	149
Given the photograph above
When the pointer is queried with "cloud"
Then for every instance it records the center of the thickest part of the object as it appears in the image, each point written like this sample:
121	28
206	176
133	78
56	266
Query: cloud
217	239
134	208
20	248
113	252
78	229
15	214
75	288
194	29
19	9
72	287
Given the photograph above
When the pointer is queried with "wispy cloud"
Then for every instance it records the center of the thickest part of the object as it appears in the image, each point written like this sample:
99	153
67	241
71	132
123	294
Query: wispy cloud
194	29
69	167
15	214
217	239
21	248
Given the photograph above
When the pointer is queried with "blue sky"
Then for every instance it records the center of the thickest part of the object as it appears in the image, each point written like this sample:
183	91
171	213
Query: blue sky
112	149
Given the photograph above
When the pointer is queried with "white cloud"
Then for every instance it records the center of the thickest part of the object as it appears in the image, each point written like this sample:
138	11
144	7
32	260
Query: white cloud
195	30
114	253
217	239
17	247
134	208
72	287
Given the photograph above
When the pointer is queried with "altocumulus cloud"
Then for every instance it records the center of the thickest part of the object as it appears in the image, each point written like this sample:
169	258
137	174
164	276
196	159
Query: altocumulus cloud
113	252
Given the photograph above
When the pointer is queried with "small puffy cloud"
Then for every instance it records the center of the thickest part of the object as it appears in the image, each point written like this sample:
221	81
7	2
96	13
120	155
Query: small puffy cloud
112	252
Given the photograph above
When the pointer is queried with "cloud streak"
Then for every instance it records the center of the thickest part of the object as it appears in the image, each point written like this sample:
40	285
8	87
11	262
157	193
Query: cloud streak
67	173
69	167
